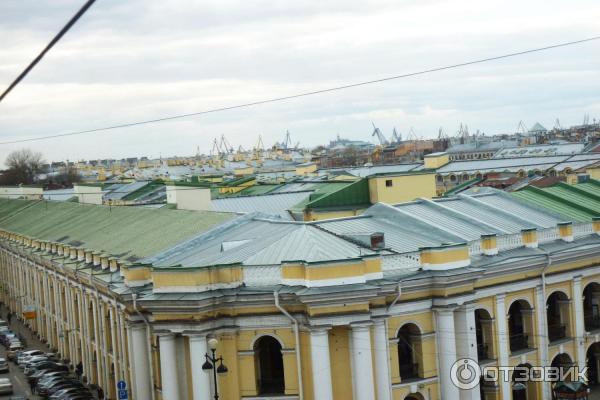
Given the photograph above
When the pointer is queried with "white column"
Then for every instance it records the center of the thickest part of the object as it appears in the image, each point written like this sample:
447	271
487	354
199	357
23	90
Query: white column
200	378
542	328
140	363
382	366
362	361
446	342
579	321
466	342
168	367
503	343
321	366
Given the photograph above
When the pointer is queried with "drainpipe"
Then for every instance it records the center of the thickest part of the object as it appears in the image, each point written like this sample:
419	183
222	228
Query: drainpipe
393	303
387	342
149	336
297	339
544	315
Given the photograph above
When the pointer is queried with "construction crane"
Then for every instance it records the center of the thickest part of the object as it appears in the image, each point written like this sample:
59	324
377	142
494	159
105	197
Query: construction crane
287	141
259	149
441	133
226	147
557	125
376	132
216	148
586	119
396	138
521	127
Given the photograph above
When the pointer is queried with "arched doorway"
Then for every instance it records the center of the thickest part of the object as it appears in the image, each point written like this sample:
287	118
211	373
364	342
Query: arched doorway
414	396
591	306
523	388
269	366
592	360
557	316
483	331
408	336
562	361
520	325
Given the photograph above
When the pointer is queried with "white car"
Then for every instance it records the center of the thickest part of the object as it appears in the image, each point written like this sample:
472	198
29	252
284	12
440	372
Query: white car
31	360
25	356
3	365
5	386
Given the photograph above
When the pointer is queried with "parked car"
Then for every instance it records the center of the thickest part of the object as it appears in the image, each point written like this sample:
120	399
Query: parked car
44	376
56	385
12	350
32	360
71	391
6	337
45	364
3	365
28	353
6	386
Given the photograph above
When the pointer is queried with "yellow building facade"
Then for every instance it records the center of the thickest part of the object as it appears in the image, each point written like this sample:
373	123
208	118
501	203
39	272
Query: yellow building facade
312	315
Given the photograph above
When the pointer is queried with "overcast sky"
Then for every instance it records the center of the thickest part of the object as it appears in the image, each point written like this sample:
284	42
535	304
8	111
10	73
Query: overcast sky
140	59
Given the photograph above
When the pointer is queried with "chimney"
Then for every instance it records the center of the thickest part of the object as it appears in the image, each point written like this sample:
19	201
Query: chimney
529	237
88	257
377	241
489	244
565	230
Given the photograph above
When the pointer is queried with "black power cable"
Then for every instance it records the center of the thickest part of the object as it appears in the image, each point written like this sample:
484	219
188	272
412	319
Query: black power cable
305	94
56	38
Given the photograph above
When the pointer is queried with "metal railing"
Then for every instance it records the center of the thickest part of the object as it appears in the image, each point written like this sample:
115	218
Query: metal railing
519	342
557	332
482	351
591	322
409	370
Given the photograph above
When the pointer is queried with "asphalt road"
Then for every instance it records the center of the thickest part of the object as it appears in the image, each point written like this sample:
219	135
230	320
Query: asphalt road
16	376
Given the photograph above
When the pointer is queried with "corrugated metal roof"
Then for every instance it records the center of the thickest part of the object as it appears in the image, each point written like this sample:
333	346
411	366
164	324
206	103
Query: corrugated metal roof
117	192
277	204
501	164
127	232
558	163
421	223
541	200
260	242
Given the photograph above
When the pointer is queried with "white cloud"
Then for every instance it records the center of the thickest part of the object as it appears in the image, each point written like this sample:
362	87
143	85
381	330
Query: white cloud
127	61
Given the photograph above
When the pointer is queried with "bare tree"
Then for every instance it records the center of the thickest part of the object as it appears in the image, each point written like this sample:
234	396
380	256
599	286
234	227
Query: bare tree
23	166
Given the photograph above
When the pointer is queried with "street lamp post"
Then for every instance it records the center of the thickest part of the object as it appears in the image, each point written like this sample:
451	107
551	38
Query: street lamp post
211	363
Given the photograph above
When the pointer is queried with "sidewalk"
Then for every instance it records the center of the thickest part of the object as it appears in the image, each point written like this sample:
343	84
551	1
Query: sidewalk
31	340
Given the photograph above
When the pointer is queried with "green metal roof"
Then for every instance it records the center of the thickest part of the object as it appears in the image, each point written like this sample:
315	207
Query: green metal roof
354	193
575	202
126	232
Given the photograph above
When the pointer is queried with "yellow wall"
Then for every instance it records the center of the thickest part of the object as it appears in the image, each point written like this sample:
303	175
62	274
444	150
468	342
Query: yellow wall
404	188
339	353
436	160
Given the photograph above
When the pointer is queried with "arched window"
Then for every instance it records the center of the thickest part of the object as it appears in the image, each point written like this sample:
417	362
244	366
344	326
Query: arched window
269	366
519	325
483	332
408	337
591	306
557	316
